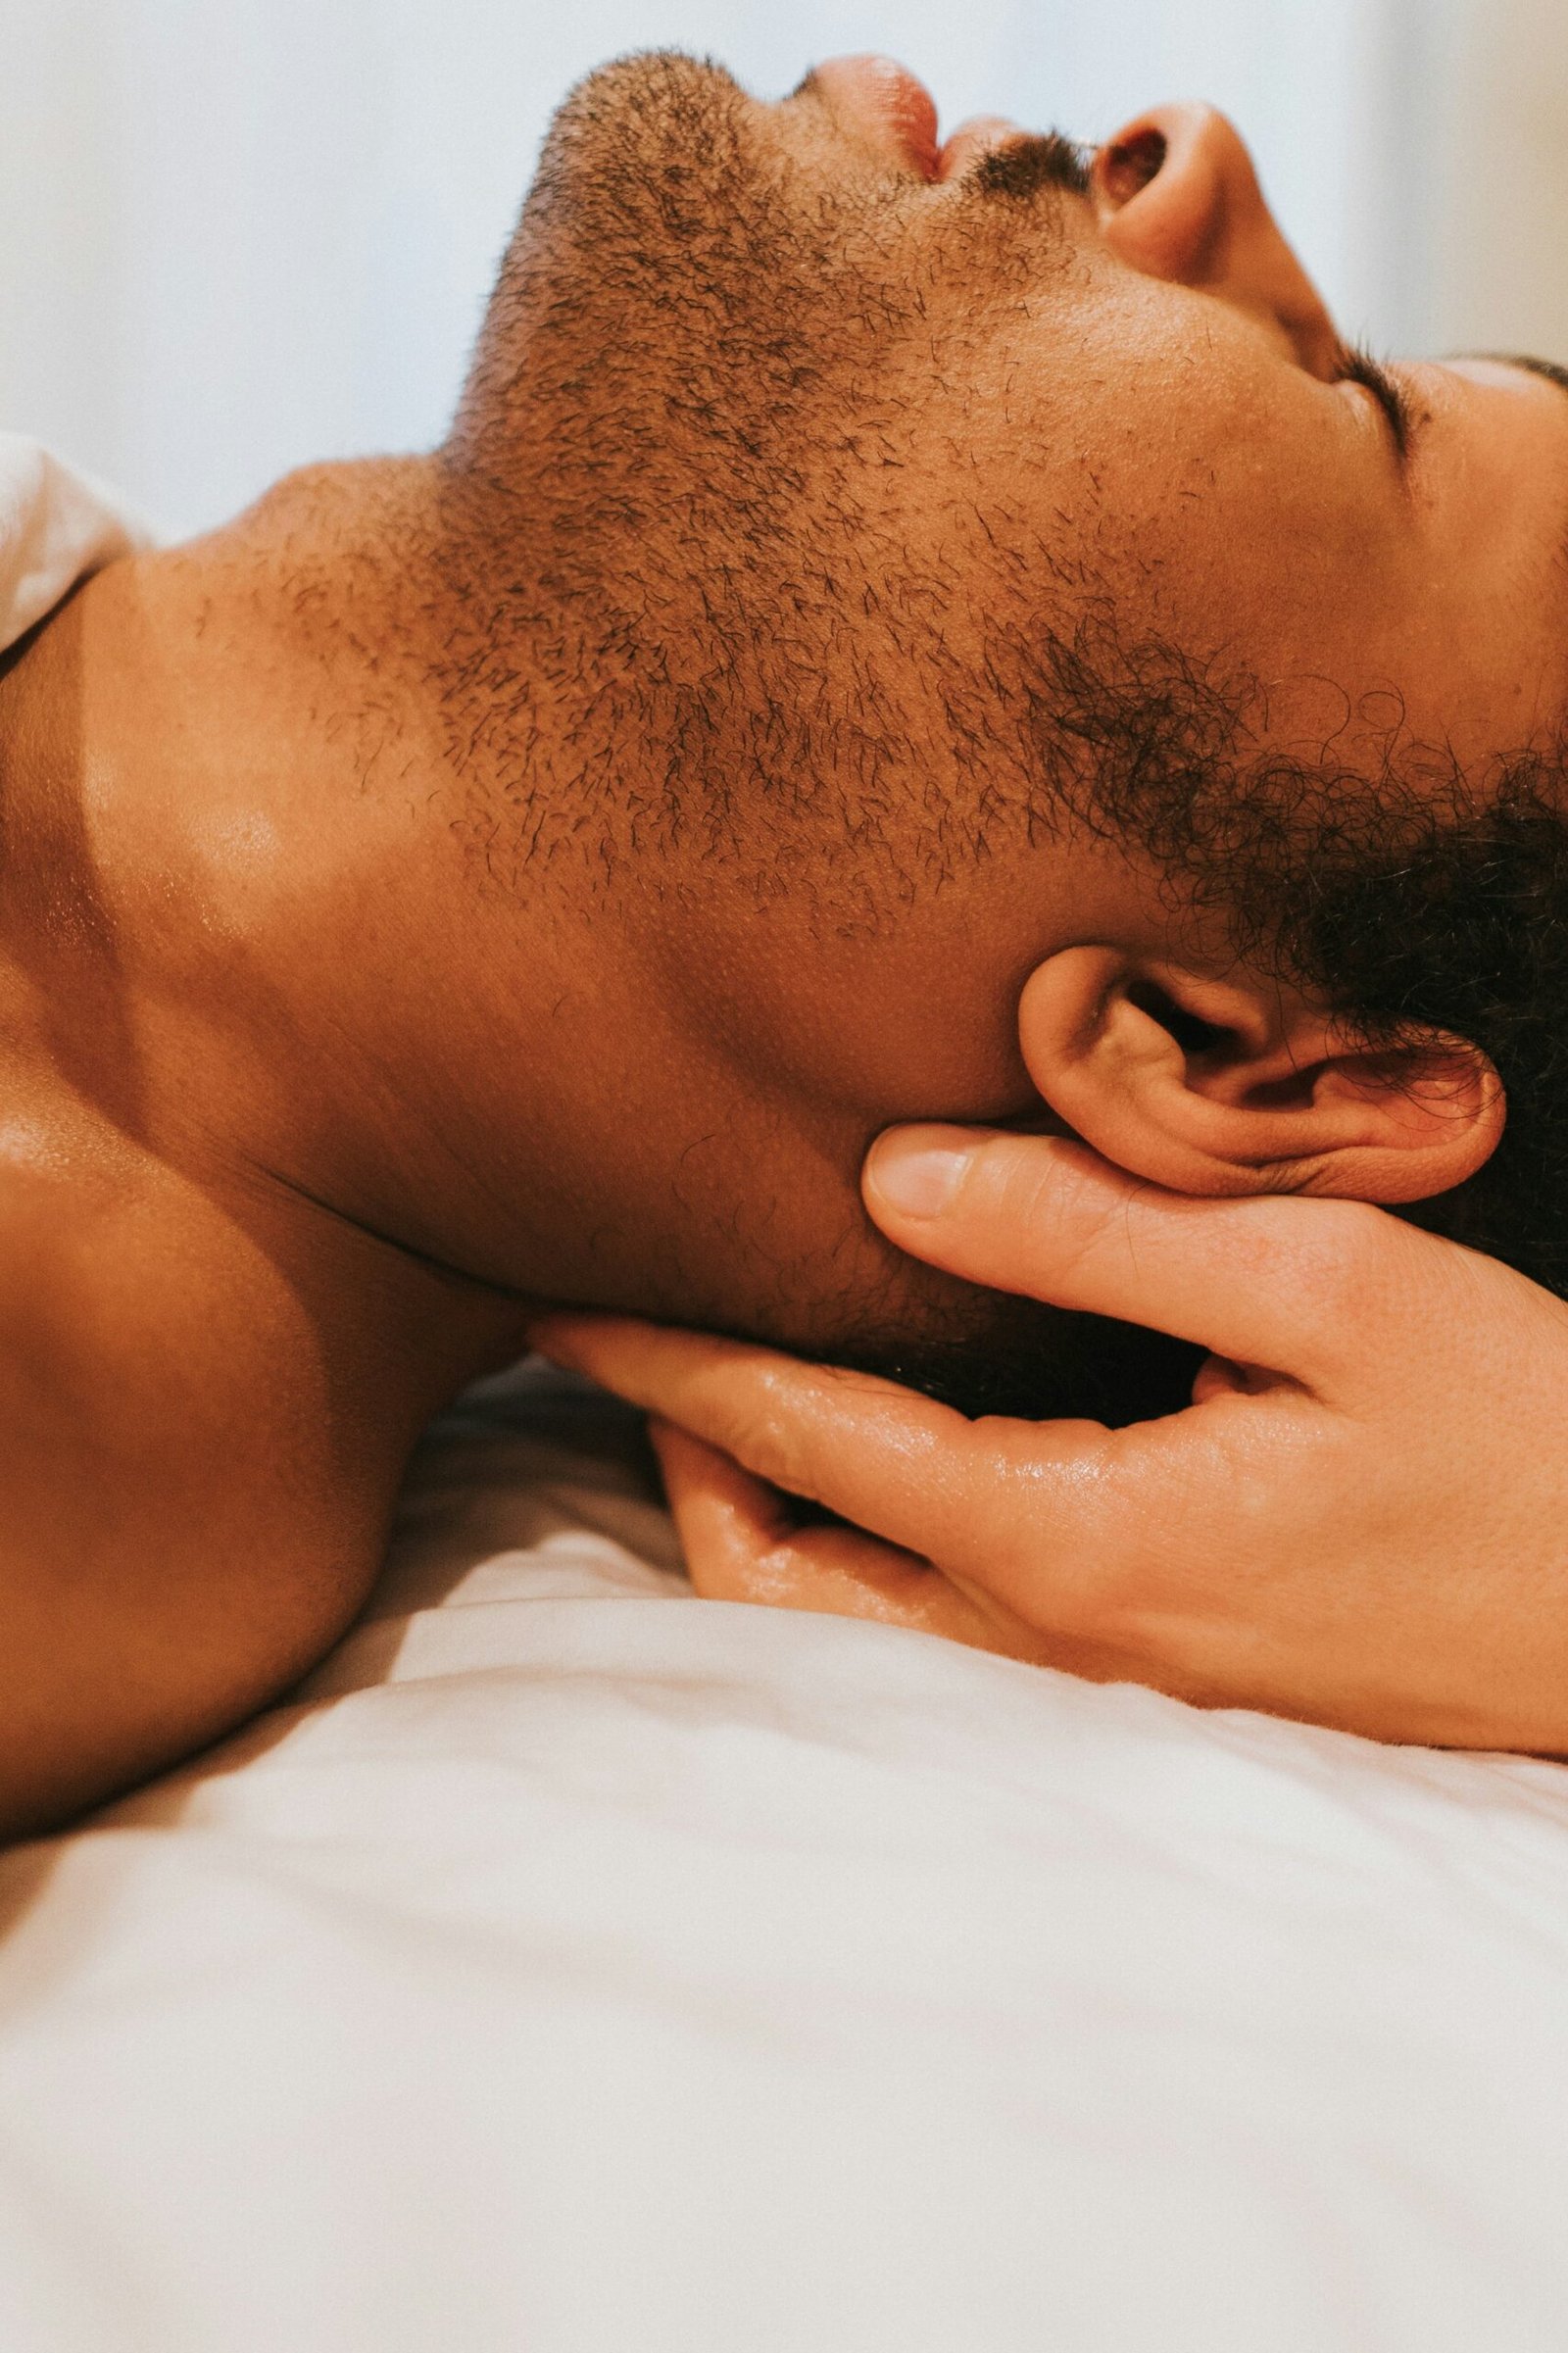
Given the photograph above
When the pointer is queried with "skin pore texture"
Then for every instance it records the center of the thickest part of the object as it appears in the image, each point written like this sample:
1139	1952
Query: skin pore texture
863	577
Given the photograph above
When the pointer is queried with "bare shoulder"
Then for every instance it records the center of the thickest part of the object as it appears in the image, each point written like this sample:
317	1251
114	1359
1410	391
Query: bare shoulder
196	1472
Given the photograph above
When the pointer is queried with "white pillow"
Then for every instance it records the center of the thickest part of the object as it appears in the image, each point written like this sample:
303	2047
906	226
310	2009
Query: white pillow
579	1968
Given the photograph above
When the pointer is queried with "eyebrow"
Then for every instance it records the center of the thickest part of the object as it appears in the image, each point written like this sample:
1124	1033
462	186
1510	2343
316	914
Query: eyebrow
1551	371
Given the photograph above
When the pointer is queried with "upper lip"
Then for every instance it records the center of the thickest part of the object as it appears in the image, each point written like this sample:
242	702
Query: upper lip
881	103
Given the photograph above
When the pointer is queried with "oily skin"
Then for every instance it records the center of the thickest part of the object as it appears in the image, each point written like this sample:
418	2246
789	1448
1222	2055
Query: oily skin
1357	1522
300	1124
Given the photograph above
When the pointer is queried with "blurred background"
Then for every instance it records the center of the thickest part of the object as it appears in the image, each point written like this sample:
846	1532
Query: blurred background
235	234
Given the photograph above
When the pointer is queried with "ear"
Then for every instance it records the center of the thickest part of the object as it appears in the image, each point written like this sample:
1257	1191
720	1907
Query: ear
1231	1086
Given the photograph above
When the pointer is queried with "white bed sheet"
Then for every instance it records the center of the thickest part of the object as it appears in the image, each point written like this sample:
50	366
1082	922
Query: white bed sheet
580	1968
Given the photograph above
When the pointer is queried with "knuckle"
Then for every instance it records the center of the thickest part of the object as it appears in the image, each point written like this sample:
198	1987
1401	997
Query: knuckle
1356	1227
765	1433
1328	1260
1350	1239
1025	1177
789	1426
1066	1209
1072	1551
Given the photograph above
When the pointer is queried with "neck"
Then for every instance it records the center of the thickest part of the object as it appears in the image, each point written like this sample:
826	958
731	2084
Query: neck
247	899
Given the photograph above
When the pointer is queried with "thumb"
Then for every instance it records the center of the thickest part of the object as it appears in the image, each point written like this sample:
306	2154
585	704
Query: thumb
1284	1283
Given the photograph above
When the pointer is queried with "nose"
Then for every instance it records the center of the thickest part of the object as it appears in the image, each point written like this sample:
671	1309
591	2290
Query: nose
1178	198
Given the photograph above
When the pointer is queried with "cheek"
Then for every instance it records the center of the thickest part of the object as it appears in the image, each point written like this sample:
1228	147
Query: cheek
1252	538
1172	457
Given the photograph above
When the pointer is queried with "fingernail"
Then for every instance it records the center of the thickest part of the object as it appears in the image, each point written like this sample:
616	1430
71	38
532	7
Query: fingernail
914	1174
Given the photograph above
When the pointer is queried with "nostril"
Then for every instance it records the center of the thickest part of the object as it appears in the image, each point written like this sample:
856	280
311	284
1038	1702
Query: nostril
1129	163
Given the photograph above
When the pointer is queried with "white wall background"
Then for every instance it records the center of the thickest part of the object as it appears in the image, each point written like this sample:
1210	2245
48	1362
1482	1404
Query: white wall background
239	233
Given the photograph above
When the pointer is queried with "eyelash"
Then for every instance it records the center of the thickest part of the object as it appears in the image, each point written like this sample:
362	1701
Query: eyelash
1358	366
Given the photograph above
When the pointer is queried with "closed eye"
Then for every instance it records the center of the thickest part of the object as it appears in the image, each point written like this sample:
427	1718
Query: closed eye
1357	366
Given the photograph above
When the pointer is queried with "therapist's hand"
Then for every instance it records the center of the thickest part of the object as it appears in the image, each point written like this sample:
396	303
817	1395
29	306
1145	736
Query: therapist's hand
1361	1520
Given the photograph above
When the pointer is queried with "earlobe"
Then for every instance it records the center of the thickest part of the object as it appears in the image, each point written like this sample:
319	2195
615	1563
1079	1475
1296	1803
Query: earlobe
1231	1086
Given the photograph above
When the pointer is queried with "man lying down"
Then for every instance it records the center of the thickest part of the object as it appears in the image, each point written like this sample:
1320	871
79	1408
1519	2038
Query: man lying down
868	588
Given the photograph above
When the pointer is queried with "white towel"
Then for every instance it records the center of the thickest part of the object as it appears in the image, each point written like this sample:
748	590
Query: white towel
56	525
579	1967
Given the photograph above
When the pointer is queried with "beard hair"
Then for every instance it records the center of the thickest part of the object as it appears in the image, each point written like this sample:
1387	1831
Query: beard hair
1405	898
676	339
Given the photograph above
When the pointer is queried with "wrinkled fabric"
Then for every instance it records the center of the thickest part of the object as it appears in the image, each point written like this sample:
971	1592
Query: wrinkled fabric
575	1966
56	526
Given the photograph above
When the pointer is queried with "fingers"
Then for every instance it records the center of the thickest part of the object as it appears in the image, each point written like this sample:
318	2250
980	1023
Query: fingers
728	1523
1029	1518
889	1460
1290	1284
741	1544
1056	1540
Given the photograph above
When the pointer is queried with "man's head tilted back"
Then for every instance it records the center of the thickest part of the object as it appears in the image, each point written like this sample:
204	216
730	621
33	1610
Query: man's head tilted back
907	579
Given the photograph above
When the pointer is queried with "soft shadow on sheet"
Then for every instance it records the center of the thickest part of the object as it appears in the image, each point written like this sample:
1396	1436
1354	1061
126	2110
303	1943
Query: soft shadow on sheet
507	1440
